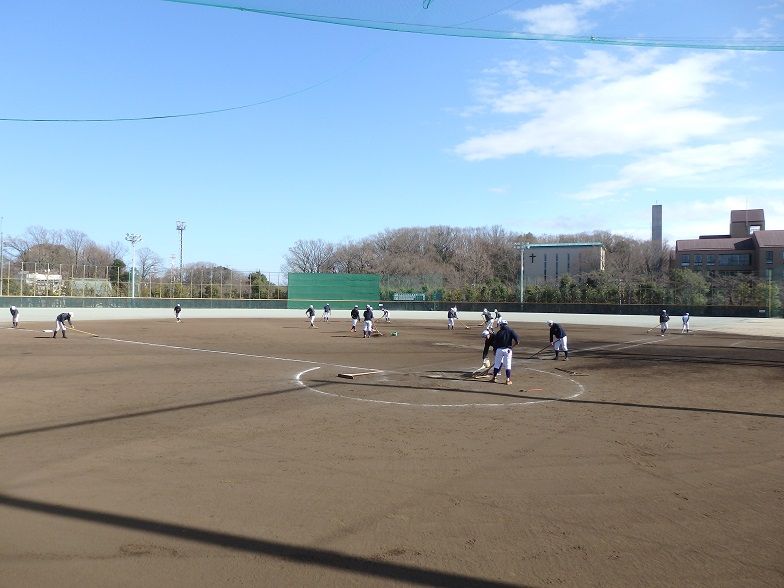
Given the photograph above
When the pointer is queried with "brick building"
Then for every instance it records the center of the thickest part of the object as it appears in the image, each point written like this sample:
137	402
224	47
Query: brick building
748	249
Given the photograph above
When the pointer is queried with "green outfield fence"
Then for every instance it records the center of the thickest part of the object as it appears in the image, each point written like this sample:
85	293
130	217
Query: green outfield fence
340	291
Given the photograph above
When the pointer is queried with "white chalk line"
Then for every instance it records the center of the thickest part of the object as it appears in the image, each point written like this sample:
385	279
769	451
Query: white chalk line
581	391
623	344
218	351
319	364
239	354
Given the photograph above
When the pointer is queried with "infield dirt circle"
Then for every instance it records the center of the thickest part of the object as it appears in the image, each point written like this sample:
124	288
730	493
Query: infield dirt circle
217	452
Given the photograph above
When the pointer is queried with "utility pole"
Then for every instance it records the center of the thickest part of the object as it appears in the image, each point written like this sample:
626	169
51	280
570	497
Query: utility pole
133	238
181	228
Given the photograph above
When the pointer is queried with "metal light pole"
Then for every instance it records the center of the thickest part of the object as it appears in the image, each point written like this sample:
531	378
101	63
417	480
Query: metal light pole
133	238
181	228
522	247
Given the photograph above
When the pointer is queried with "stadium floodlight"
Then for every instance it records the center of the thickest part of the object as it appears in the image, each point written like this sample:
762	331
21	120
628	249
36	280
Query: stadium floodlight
133	238
181	228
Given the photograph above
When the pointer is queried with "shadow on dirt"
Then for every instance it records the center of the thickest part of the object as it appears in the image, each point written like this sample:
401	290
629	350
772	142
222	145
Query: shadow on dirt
284	551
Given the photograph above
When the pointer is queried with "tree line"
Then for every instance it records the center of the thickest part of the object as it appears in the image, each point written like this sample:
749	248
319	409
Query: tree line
73	254
446	263
483	265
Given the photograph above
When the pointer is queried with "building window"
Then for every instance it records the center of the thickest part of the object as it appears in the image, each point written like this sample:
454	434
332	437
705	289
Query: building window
569	263
735	259
685	260
556	266
768	257
711	260
545	267
698	260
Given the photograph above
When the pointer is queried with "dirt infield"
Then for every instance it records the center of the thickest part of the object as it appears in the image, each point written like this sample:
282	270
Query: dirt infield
230	453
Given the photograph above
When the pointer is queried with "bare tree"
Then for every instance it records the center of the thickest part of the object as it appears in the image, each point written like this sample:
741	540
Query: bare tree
311	256
354	258
443	240
95	255
116	249
39	245
77	242
149	263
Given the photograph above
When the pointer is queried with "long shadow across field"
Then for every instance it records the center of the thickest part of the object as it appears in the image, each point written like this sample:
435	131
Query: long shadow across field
662	357
144	413
284	551
771	415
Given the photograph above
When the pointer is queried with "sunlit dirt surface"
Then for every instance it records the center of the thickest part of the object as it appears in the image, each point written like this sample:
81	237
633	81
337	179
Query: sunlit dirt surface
230	452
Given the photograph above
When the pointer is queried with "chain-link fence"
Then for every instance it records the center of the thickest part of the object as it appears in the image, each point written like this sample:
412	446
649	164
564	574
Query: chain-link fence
44	279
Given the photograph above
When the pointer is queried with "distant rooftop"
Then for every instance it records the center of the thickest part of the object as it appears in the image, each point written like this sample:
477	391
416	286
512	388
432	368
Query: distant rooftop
714	244
774	238
755	215
532	245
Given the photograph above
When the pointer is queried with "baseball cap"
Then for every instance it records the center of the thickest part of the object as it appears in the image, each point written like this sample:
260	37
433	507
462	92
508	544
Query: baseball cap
503	322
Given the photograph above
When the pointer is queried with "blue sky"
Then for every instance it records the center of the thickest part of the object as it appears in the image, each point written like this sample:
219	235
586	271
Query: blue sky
361	130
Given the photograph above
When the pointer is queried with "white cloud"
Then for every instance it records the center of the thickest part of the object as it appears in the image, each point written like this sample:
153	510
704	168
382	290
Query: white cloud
678	164
610	110
694	161
560	19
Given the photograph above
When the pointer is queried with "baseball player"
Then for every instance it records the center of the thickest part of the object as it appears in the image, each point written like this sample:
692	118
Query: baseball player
684	318
311	314
489	339
385	313
327	313
177	311
14	316
503	342
558	339
451	317
59	324
497	317
663	318
368	316
487	316
354	318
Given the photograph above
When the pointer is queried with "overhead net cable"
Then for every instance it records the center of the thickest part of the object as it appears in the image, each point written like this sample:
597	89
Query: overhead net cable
456	31
425	29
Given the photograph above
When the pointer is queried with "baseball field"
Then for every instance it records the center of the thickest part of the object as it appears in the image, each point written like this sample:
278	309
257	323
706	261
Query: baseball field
230	452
